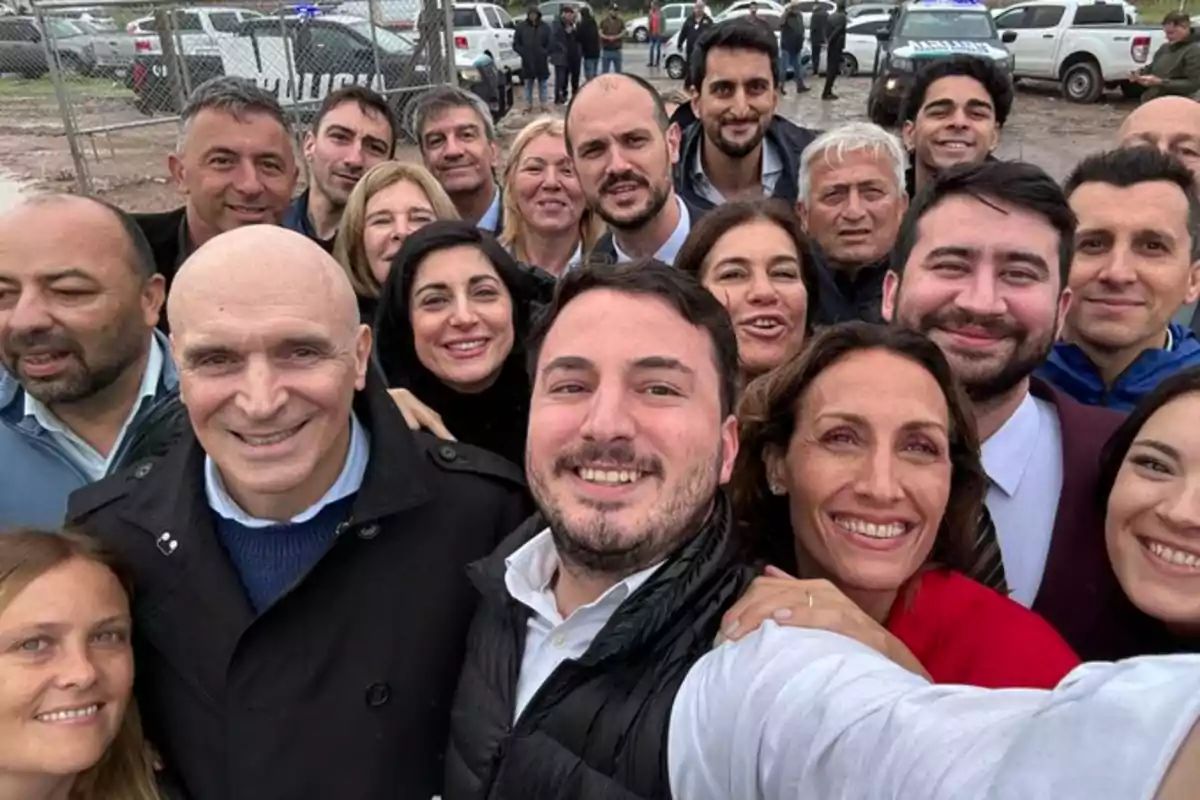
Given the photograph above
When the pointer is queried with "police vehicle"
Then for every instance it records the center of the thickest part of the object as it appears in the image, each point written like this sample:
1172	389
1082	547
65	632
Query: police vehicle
303	57
924	31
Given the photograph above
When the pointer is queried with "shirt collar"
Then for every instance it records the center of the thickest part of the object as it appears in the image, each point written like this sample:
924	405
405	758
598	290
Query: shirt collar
1007	452
490	220
529	574
772	168
147	390
672	246
347	483
1170	343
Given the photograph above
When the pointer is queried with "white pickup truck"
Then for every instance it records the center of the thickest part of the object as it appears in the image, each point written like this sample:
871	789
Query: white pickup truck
1087	47
197	30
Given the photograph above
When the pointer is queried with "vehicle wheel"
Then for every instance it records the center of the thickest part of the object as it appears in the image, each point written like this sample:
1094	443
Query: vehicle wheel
675	67
1133	91
849	65
1082	82
71	63
640	35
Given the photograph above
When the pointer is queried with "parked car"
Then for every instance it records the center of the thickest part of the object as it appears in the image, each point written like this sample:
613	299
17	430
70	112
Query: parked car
676	64
399	15
197	29
673	16
553	8
113	48
22	51
486	28
862	44
870	9
741	8
925	31
1086	47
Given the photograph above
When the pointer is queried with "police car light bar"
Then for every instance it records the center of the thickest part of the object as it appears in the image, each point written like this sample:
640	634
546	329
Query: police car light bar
972	3
306	10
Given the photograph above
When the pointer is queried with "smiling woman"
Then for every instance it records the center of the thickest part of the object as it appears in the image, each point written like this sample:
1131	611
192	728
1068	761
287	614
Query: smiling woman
858	463
66	675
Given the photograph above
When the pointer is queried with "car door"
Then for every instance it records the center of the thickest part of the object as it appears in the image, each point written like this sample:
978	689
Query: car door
673	17
862	44
1040	34
504	34
1026	47
331	49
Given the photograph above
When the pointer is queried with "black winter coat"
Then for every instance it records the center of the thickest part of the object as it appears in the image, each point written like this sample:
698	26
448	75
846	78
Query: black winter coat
791	31
788	139
532	43
818	25
342	688
689	34
564	45
597	728
589	35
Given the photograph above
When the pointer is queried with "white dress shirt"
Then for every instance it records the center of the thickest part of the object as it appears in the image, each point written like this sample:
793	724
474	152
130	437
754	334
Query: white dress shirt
772	168
672	246
348	482
490	221
793	713
1023	462
550	639
91	461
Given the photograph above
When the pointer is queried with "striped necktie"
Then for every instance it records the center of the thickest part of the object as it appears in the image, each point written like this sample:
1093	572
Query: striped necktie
988	565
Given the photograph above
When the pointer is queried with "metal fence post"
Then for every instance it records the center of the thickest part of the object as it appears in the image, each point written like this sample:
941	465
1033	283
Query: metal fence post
451	75
82	177
288	55
172	59
372	11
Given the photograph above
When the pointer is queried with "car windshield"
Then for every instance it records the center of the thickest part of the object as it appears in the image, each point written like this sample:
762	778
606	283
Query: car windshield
61	28
389	42
947	25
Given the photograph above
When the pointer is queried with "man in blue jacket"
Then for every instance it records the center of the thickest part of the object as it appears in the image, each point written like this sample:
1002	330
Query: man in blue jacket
1137	262
740	149
83	370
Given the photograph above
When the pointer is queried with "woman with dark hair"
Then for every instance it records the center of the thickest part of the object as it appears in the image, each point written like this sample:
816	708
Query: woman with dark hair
858	463
1150	482
453	316
753	256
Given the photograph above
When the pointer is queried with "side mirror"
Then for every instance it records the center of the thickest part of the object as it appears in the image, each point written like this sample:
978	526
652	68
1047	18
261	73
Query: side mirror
1008	37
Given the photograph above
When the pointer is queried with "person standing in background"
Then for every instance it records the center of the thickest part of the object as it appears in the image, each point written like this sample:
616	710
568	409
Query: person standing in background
565	54
689	34
818	25
791	44
612	36
1175	68
835	43
532	44
655	38
589	42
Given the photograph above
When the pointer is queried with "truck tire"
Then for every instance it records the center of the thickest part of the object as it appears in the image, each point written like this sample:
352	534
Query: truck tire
1133	91
1082	82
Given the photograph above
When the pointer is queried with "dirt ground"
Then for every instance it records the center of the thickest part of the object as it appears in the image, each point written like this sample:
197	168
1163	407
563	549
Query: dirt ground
129	166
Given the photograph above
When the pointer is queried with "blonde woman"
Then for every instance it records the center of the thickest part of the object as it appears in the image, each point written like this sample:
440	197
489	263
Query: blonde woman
390	202
546	219
67	723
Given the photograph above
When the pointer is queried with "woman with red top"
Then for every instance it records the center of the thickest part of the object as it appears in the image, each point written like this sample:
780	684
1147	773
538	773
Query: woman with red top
858	466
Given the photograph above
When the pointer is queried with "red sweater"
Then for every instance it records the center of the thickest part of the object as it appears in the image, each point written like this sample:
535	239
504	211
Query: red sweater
965	633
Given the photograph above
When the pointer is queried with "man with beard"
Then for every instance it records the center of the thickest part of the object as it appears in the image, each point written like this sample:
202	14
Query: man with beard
234	162
623	146
458	142
981	266
741	149
354	130
591	670
83	368
952	115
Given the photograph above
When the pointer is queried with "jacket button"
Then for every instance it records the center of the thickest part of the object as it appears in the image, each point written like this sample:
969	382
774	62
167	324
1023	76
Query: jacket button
142	470
341	528
448	453
368	531
378	694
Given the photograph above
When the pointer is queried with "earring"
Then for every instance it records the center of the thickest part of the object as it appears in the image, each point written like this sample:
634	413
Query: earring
776	489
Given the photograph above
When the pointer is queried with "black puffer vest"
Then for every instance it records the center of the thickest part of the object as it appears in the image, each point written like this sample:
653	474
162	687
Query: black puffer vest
597	728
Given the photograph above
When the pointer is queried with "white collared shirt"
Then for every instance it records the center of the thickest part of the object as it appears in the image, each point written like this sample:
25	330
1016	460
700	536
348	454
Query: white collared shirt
348	482
490	220
672	246
550	639
94	463
1023	462
772	168
788	713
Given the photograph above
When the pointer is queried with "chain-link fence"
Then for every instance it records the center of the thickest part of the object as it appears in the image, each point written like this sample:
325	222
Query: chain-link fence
112	75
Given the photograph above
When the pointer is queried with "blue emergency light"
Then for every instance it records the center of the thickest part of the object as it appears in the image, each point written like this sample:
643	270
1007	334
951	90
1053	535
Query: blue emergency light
306	11
971	3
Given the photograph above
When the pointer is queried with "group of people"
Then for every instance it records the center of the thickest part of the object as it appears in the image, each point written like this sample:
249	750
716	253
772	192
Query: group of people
573	42
735	461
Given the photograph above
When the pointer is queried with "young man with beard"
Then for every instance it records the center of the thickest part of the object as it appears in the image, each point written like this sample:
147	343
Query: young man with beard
353	131
953	114
235	163
623	147
981	265
458	142
741	149
83	368
1137	262
591	670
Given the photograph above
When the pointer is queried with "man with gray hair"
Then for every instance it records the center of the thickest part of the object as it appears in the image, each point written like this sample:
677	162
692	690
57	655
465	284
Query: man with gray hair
234	163
851	201
458	142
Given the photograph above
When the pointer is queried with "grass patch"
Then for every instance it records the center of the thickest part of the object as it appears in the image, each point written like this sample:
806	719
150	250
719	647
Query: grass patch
77	86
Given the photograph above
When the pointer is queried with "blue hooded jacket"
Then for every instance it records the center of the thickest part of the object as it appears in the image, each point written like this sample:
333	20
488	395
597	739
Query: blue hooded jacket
1069	369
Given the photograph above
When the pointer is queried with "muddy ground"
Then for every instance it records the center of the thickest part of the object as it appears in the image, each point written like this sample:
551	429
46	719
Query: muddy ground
129	166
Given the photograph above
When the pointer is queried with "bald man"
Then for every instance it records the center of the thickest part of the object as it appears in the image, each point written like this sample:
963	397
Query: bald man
624	147
1172	124
298	555
81	369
